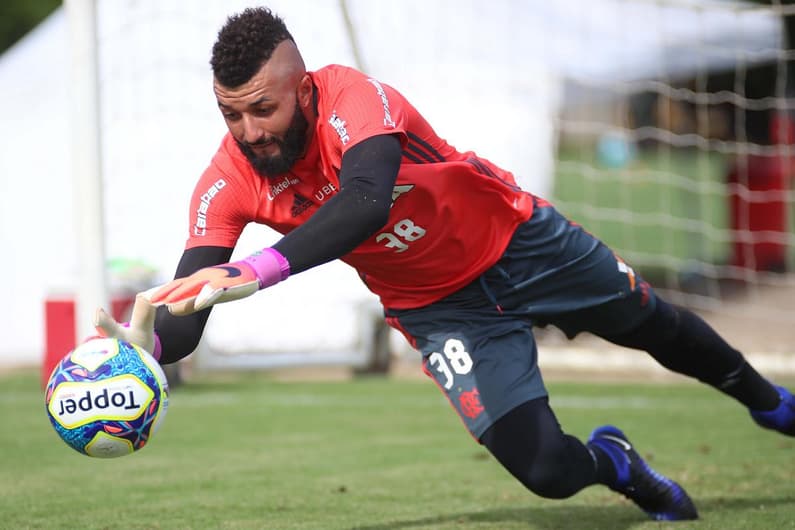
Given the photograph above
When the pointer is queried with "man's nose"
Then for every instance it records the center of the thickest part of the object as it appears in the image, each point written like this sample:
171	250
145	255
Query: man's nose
252	132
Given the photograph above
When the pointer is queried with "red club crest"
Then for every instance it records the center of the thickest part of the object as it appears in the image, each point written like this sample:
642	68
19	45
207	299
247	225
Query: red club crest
471	407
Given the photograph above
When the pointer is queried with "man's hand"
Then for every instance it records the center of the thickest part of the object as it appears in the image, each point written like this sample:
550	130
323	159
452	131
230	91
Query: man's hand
205	287
140	330
221	283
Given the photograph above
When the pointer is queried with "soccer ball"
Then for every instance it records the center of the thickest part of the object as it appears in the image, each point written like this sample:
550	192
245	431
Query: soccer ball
107	398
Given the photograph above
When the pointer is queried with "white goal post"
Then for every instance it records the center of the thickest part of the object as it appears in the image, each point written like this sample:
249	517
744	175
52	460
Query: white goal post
92	289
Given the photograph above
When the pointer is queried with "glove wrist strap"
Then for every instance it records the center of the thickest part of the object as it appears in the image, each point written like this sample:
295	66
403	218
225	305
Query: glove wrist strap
269	265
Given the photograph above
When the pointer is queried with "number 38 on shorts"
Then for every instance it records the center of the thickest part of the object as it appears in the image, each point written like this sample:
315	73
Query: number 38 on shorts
454	359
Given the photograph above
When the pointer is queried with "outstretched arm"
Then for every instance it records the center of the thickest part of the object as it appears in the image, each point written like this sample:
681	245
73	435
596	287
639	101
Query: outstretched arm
204	277
367	177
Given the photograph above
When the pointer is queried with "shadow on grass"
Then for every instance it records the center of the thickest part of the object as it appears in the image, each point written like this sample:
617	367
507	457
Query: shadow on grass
567	517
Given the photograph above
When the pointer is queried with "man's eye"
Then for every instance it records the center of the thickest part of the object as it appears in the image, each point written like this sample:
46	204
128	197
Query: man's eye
231	115
265	112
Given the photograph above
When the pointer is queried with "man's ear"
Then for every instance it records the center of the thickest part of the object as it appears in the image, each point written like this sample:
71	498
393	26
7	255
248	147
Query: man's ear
304	91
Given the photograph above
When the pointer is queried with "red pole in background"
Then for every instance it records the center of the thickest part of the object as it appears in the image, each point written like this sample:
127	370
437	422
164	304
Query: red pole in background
758	203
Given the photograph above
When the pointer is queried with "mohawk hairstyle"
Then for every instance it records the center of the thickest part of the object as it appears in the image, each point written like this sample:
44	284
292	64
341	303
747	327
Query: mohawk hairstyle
245	43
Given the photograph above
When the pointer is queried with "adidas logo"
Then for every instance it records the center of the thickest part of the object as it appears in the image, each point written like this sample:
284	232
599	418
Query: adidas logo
300	205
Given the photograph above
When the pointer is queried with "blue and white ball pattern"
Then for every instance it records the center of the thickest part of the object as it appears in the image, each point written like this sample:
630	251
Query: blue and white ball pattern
107	398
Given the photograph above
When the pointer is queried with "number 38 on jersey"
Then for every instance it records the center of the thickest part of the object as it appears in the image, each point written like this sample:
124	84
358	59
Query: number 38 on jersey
404	231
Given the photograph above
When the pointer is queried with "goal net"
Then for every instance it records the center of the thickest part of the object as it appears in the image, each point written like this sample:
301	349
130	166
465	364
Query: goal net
678	153
664	127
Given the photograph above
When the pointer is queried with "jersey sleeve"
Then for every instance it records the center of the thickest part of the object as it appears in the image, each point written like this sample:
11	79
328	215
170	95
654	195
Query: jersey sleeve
222	204
364	109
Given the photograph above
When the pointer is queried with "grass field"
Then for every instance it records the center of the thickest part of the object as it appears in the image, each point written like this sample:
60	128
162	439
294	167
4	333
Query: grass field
248	452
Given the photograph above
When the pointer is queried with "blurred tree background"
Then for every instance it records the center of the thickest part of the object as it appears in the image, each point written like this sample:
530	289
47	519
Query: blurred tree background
17	17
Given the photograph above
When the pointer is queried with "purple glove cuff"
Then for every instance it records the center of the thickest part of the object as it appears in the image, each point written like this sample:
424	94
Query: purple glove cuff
269	266
157	351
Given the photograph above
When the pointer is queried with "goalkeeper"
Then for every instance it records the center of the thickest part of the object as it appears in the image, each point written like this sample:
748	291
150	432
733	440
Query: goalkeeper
464	262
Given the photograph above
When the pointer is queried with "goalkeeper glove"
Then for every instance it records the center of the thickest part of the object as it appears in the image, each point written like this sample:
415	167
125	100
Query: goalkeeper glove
221	283
140	330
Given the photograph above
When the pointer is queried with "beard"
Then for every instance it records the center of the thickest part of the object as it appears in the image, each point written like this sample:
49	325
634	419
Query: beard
291	148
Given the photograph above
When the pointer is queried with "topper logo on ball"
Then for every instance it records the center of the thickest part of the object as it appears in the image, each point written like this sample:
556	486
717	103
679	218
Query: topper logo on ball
102	401
118	398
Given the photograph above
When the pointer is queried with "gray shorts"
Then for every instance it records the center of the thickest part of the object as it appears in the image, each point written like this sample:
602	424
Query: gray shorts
478	344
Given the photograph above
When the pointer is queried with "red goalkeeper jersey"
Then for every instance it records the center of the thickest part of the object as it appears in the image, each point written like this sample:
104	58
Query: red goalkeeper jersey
452	216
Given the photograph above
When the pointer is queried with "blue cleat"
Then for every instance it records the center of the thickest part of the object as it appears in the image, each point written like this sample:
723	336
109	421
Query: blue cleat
660	497
781	418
